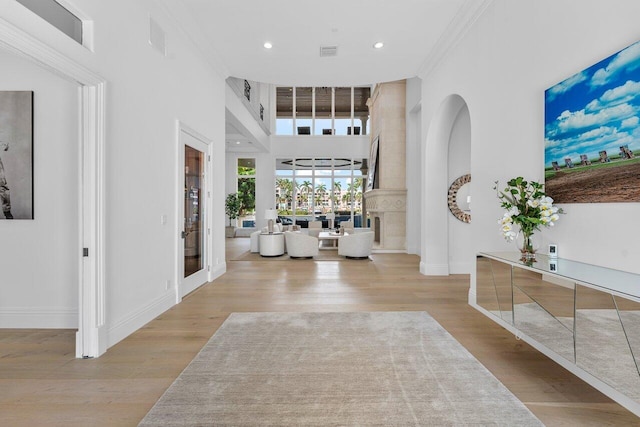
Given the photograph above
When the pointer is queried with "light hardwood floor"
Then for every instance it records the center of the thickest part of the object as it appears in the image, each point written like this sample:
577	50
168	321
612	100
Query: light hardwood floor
41	383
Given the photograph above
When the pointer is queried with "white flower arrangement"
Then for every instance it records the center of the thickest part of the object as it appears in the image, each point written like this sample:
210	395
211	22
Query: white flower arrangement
527	206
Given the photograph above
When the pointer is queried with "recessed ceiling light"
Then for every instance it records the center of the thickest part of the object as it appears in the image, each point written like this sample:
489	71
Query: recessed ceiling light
378	45
267	45
237	142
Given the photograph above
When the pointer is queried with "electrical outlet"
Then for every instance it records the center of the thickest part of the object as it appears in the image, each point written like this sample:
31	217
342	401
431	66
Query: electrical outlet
168	285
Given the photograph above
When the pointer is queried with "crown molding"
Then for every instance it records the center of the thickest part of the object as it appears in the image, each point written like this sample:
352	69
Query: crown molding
184	22
464	19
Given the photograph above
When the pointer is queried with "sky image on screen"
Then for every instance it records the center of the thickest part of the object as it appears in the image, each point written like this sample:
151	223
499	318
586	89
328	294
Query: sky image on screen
595	110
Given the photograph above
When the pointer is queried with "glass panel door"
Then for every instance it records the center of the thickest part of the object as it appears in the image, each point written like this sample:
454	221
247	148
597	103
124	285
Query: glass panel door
194	242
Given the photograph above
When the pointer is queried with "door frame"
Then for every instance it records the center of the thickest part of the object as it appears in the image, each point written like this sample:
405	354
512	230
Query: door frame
180	290
91	337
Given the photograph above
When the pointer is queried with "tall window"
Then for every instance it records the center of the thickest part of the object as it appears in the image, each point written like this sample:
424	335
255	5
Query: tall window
247	191
322	110
323	123
309	188
304	110
284	111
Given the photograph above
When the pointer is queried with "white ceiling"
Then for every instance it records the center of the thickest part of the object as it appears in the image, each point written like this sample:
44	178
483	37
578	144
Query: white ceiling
231	33
412	30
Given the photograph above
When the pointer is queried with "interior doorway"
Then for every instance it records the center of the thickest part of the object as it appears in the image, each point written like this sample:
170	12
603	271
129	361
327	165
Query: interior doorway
193	207
91	338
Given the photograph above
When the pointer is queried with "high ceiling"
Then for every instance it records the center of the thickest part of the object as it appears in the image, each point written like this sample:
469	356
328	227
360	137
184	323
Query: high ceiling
231	33
414	32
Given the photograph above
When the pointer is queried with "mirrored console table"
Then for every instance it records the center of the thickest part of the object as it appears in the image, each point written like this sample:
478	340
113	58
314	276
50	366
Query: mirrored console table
584	317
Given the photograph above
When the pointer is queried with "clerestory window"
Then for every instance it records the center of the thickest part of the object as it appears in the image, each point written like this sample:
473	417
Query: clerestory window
58	14
322	110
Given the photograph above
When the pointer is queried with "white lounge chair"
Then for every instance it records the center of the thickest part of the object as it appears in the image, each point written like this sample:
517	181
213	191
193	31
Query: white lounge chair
300	245
357	245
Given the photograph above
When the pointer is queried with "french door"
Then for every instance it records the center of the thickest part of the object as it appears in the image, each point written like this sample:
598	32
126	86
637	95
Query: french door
195	230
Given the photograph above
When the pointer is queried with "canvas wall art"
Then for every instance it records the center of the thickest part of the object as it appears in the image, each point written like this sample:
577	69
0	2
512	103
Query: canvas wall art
16	154
592	132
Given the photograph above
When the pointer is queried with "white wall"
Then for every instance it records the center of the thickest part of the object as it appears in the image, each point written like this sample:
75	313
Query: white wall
39	258
414	165
501	68
146	94
459	163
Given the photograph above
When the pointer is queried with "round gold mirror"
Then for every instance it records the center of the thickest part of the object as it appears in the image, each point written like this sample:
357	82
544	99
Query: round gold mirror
459	198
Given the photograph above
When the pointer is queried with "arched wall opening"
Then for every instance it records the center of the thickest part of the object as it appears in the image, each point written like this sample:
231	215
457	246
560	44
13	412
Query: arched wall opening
447	153
459	164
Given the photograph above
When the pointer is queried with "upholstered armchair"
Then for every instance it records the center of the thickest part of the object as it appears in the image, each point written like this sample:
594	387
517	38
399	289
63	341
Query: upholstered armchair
315	227
255	241
348	226
300	245
357	245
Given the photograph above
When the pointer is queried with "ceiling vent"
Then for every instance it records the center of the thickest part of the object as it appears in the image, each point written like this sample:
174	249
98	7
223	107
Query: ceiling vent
328	50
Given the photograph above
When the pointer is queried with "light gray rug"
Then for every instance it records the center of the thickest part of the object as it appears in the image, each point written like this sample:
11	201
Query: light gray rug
330	369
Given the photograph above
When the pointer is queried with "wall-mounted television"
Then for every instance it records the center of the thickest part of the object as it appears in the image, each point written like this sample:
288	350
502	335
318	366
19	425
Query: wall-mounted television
592	132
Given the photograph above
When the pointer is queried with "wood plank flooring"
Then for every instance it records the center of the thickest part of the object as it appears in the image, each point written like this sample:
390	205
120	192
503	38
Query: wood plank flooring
42	384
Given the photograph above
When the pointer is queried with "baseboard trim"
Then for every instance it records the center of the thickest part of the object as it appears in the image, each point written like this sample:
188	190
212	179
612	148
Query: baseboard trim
434	269
471	298
134	321
460	268
155	308
217	271
38	318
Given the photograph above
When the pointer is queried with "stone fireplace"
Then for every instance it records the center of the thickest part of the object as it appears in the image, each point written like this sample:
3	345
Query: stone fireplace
386	199
387	210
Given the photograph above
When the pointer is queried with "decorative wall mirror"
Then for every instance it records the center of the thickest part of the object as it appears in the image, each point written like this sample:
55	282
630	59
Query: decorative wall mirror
459	198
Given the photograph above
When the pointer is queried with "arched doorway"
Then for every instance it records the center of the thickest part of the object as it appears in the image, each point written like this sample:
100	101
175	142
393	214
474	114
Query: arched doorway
451	122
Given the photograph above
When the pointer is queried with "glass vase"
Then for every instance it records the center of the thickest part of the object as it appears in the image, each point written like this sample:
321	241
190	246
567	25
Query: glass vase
528	244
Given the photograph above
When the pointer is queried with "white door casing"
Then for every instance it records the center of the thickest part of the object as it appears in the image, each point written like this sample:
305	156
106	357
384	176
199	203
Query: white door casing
187	136
91	338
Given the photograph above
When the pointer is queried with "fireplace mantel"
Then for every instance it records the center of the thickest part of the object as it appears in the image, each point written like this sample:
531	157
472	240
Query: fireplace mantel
387	209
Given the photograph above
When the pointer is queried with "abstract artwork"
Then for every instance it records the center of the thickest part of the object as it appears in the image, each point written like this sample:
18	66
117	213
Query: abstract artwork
592	132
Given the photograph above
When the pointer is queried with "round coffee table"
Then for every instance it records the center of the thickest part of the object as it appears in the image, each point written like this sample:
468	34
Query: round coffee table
272	244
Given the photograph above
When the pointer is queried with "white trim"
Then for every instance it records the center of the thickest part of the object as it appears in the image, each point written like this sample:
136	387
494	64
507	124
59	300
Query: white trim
461	267
136	320
434	269
217	271
186	24
467	15
183	287
91	336
36	317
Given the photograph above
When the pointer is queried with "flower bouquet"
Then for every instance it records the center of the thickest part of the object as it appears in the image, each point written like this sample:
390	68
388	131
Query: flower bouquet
528	207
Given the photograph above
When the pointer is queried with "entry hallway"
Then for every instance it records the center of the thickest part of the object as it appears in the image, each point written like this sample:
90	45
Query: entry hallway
41	383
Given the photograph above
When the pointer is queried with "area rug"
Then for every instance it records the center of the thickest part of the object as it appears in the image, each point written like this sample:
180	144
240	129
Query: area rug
329	369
